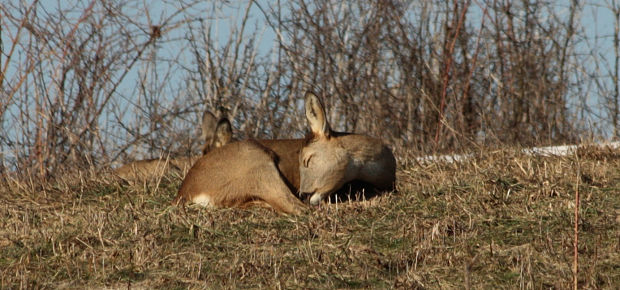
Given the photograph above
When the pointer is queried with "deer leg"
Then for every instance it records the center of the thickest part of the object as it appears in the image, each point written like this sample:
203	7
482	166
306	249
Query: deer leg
274	191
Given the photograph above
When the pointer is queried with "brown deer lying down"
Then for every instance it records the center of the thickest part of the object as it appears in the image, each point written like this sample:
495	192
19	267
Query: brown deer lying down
215	133
267	172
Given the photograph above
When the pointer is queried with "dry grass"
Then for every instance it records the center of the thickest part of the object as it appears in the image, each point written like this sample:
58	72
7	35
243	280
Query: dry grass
501	220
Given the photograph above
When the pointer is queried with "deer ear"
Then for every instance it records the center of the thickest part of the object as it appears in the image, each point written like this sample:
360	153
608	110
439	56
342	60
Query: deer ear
223	133
209	123
315	113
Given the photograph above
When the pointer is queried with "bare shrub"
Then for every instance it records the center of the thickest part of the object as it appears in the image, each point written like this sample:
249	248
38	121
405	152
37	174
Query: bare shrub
105	82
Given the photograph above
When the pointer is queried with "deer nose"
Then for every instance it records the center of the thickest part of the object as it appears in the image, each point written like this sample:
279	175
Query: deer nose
316	199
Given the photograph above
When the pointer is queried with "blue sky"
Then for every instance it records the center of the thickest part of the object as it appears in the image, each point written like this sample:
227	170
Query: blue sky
596	19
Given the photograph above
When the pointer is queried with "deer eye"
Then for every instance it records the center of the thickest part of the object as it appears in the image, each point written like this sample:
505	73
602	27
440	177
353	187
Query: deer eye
307	160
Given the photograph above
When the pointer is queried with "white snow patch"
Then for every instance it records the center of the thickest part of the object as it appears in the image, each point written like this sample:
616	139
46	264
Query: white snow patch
563	150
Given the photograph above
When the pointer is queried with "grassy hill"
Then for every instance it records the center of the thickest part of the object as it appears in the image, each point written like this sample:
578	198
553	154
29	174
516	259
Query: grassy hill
499	220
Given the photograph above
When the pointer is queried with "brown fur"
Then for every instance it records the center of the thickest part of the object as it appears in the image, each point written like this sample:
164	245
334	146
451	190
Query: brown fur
240	174
287	153
249	172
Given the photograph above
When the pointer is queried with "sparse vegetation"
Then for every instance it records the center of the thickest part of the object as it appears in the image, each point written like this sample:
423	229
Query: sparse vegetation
86	86
499	220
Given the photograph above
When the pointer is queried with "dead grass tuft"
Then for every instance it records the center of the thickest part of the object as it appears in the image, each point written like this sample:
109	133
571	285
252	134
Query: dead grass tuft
501	219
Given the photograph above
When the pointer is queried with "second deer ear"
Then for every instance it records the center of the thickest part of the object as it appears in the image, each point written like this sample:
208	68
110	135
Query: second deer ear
315	113
223	133
209	123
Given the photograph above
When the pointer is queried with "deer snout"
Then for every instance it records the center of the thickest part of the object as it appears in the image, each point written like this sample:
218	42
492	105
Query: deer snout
316	199
311	196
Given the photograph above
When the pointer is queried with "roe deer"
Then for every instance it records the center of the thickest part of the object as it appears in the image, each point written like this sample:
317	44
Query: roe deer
215	133
267	172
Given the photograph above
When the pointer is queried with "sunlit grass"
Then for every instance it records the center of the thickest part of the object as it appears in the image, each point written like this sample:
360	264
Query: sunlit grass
499	220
